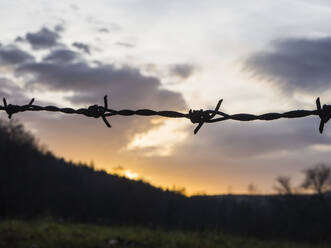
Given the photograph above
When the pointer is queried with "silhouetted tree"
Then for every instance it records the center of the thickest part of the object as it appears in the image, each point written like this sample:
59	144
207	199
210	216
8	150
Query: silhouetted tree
283	185
317	178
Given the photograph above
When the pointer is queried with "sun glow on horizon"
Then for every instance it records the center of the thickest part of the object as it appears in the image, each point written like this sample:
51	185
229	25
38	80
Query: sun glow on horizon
120	171
130	174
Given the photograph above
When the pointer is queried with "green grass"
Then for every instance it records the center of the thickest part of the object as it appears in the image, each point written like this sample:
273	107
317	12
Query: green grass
45	233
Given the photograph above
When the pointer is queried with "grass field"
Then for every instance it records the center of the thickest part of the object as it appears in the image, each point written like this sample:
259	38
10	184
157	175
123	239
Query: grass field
45	233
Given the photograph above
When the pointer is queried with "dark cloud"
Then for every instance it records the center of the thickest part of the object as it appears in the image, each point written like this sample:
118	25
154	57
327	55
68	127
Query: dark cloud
295	64
12	55
44	38
59	28
66	70
90	83
19	39
84	47
182	70
125	44
61	55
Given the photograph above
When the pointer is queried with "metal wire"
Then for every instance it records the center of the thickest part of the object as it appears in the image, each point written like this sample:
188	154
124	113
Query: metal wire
196	116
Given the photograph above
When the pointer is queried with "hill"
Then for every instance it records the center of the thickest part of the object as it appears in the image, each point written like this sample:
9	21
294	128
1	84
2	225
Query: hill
36	184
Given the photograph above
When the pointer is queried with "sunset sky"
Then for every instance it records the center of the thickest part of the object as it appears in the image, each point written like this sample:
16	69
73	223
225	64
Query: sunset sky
259	56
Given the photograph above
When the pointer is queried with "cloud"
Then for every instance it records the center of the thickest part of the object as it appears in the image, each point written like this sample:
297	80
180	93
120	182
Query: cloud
91	83
182	70
295	64
258	139
61	56
84	47
12	55
59	27
64	69
19	39
251	141
44	38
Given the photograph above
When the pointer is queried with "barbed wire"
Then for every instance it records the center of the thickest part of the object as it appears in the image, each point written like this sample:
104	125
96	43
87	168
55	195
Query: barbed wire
196	116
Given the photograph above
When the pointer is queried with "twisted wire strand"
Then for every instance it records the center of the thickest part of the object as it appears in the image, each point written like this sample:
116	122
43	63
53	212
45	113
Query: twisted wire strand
196	116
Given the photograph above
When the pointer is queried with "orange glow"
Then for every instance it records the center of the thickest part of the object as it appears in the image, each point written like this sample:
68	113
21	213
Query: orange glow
131	175
161	171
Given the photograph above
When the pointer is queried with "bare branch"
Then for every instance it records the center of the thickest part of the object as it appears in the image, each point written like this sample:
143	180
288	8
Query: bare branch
283	185
318	178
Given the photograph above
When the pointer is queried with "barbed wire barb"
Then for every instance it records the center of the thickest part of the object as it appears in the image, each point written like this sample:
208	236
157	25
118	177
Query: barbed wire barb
195	116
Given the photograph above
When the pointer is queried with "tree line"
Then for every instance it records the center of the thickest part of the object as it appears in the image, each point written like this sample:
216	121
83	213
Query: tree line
317	180
34	183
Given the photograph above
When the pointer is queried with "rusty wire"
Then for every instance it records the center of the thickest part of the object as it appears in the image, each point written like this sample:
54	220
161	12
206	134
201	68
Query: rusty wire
196	116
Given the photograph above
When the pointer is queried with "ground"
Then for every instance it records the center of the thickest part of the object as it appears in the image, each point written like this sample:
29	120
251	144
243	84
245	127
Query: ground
49	233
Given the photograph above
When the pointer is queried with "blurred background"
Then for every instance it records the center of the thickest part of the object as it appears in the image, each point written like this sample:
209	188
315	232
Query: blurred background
167	55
